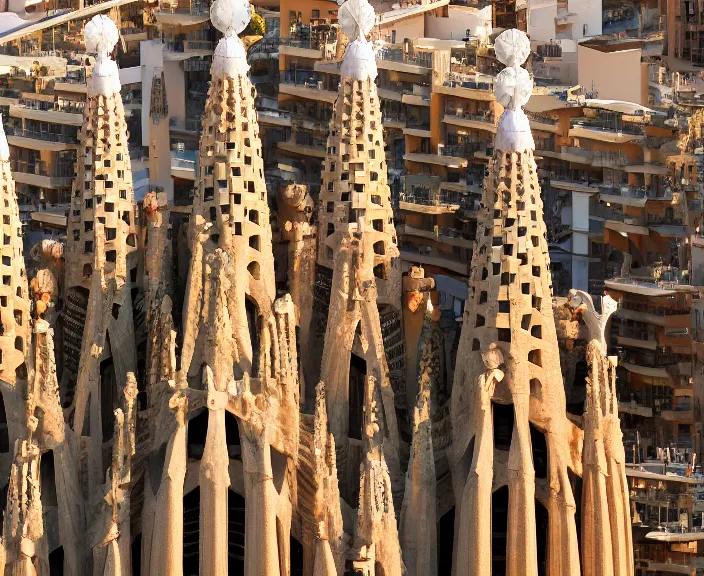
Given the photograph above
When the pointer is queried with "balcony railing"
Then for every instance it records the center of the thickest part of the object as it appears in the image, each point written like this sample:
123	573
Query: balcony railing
463	150
184	159
487	118
607	126
10	94
46	136
62	106
307	78
72	80
41	168
454	80
193	10
132	31
424	59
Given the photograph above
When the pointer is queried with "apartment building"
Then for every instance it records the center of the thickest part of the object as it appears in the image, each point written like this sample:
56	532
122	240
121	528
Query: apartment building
666	511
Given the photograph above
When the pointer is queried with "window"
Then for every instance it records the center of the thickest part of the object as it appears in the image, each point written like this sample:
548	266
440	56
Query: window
315	14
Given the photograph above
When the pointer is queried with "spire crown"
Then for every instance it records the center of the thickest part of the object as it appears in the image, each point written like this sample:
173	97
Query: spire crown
231	17
101	36
513	89
356	19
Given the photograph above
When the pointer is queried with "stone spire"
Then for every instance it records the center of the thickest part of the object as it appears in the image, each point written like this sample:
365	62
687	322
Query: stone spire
230	222
101	248
14	296
102	202
357	239
508	355
238	356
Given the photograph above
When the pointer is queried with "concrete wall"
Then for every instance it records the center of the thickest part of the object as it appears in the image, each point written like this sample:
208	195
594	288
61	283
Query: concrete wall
586	12
411	28
461	19
613	75
541	20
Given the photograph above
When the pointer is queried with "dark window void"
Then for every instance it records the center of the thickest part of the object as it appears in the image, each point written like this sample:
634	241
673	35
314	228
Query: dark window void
108	397
499	530
4	434
232	435
197	431
136	556
576	483
254	321
503	426
575	402
541	536
358	372
446	534
47	479
279	463
540	452
56	563
296	557
235	534
191	532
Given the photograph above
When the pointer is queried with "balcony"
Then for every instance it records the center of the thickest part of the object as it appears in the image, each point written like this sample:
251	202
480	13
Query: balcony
427	255
398	60
475	121
184	164
605	130
305	144
133	34
543	123
449	236
182	16
38	140
473	87
62	112
307	84
635	409
38	173
177	50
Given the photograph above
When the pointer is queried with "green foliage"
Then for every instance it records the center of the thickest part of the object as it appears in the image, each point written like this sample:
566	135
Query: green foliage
256	26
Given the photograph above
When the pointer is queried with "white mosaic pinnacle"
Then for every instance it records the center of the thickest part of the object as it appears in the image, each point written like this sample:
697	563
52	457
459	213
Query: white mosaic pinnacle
101	36
356	19
513	89
231	17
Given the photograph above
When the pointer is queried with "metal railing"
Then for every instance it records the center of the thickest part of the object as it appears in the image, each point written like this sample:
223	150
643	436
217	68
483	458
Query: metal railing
607	126
307	78
46	136
184	159
41	168
462	150
424	59
193	10
457	81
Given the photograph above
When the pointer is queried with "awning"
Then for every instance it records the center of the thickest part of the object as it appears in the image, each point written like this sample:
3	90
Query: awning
620	106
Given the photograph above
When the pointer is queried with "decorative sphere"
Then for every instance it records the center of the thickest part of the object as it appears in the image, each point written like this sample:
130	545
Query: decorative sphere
100	35
230	16
512	47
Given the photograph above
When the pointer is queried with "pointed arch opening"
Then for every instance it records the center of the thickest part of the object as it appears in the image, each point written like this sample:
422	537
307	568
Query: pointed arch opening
254	322
197	432
236	514
191	532
56	562
499	530
358	374
541	536
232	435
446	535
108	396
503	425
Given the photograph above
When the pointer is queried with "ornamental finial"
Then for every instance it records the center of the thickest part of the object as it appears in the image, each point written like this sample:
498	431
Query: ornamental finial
356	19
231	17
513	89
101	36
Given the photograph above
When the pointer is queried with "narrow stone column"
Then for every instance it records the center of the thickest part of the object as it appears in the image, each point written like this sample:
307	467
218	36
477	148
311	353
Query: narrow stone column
214	483
167	542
